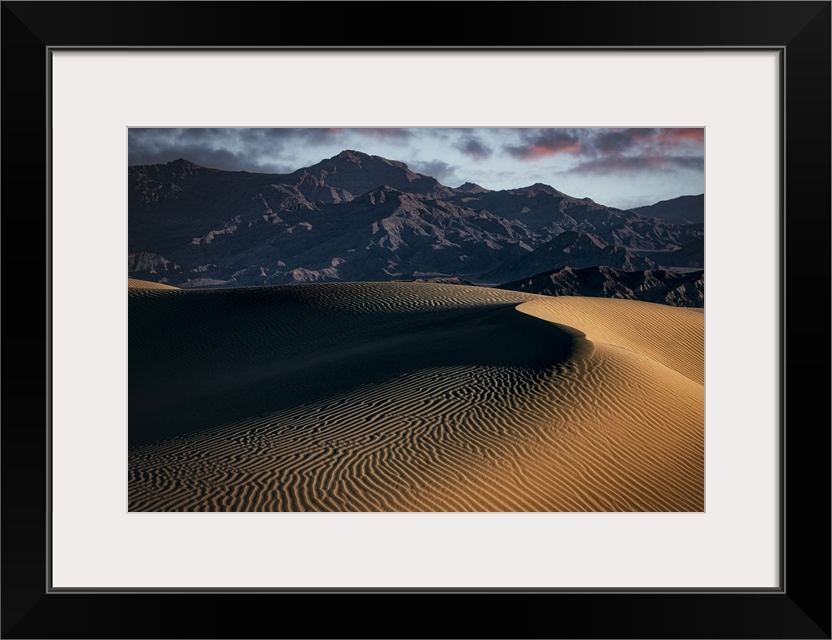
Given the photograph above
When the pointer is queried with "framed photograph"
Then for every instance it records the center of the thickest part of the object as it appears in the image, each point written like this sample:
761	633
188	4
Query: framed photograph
655	527
356	336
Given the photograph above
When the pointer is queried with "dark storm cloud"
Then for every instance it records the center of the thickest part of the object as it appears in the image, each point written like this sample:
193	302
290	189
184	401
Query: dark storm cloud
474	147
544	143
629	149
236	149
639	151
306	136
613	141
382	132
442	171
242	149
618	141
619	164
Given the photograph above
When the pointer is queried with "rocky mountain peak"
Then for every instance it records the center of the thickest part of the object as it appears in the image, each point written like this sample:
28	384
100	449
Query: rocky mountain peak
183	163
472	187
539	187
351	156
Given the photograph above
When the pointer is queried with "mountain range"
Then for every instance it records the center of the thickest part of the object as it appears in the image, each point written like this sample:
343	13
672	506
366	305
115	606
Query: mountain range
357	217
682	210
664	287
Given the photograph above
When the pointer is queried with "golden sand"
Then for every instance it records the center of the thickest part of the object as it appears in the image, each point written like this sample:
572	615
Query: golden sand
133	283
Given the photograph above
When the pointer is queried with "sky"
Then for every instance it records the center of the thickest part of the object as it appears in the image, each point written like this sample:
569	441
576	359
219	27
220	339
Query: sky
622	168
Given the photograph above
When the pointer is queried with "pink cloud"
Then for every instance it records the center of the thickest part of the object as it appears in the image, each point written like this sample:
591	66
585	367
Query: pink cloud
545	149
673	136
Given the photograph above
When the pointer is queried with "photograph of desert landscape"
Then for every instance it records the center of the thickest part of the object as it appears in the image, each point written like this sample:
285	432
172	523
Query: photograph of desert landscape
416	320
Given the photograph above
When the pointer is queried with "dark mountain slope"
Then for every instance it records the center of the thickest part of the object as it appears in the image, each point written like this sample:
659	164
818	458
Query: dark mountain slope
682	210
569	249
664	287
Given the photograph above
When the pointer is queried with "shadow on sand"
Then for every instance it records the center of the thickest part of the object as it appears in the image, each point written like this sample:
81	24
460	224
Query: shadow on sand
199	359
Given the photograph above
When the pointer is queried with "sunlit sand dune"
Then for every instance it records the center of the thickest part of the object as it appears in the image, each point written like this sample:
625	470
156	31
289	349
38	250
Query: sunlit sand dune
672	336
133	283
412	397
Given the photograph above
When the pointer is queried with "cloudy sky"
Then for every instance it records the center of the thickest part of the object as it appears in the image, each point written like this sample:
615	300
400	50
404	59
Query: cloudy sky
618	167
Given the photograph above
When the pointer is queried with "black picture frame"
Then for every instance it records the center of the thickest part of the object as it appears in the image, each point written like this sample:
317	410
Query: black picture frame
800	608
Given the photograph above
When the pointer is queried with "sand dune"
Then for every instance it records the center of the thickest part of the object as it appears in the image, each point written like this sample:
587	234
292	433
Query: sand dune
412	397
672	336
134	283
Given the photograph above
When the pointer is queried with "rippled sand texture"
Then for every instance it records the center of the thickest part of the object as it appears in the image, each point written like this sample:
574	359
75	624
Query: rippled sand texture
133	283
412	397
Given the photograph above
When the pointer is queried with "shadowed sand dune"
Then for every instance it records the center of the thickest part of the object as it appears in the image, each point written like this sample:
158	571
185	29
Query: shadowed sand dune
412	397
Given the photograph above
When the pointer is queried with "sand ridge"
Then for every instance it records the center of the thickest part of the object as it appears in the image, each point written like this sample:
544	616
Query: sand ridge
134	283
673	336
411	397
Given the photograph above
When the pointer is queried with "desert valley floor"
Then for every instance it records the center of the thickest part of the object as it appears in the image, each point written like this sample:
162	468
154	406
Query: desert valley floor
411	397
